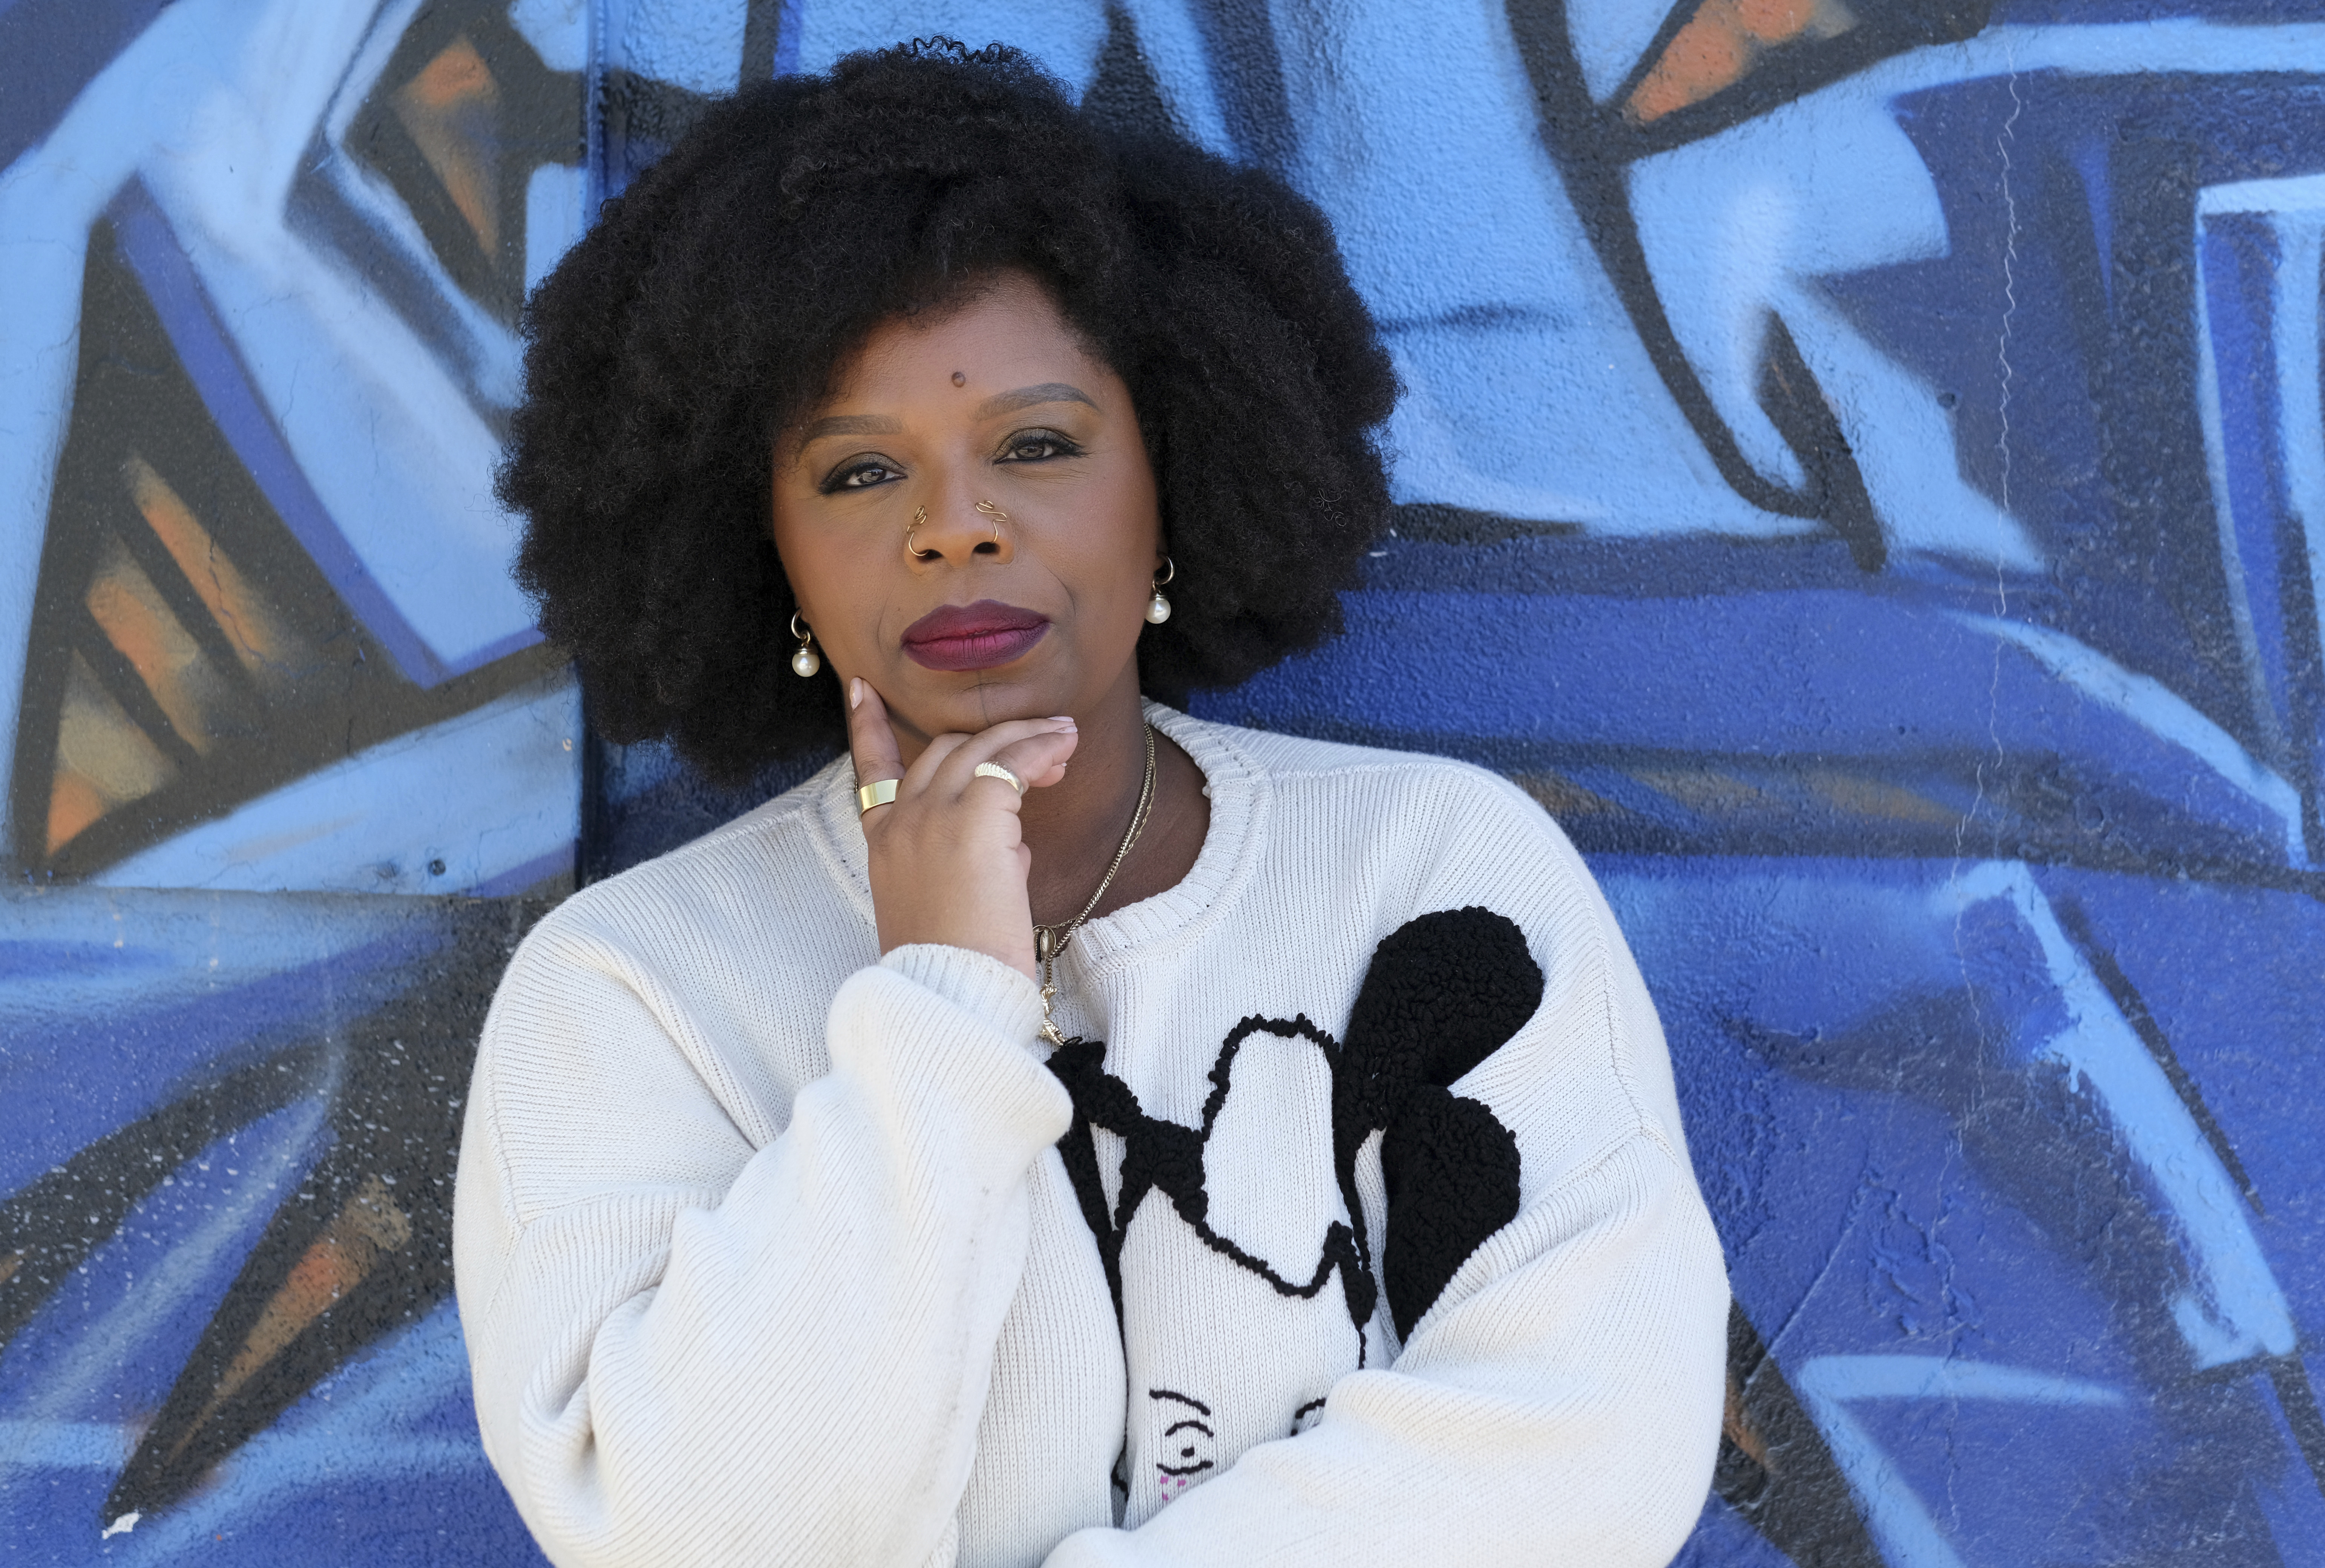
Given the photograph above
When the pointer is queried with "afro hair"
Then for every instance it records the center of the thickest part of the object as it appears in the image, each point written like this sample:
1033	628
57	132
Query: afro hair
714	300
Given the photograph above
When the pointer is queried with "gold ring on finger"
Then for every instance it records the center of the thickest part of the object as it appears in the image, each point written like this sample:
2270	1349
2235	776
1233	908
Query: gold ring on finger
879	792
996	771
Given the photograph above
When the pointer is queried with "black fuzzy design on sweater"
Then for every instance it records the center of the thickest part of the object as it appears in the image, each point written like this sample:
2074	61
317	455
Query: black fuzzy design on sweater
1444	992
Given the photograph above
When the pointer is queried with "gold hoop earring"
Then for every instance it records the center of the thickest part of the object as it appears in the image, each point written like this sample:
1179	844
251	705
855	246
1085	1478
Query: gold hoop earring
806	661
912	550
994	516
1158	608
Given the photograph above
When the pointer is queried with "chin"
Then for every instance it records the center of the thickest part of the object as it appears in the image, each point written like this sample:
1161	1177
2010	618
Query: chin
967	703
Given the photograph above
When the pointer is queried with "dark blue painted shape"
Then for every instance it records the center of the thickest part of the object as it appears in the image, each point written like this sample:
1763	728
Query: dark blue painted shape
1513	680
2241	259
67	1082
52	50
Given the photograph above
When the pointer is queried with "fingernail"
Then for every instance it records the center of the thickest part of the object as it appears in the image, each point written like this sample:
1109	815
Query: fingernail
855	692
1065	719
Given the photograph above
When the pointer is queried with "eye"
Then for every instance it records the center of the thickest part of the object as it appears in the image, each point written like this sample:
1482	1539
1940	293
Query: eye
1037	447
859	474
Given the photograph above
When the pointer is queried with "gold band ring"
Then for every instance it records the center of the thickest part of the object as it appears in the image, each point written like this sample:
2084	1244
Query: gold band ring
879	792
996	771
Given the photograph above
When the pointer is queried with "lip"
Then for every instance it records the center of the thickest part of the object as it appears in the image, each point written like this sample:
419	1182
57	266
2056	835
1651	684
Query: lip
980	636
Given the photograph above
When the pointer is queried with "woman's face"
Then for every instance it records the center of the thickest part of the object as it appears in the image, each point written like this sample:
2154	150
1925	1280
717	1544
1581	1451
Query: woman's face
1028	613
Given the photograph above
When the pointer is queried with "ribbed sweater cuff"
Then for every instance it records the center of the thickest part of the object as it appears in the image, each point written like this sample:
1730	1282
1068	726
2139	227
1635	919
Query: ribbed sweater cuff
981	986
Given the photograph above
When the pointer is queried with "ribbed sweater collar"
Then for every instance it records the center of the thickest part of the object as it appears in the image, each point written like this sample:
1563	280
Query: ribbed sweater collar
1239	809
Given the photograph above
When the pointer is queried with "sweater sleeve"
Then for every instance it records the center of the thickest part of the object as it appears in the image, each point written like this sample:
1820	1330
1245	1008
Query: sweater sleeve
692	1346
1561	1400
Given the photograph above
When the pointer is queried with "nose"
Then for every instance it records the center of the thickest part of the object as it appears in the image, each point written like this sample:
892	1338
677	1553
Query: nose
960	530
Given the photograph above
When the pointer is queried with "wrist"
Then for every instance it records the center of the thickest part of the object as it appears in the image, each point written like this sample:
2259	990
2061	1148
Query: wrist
982	984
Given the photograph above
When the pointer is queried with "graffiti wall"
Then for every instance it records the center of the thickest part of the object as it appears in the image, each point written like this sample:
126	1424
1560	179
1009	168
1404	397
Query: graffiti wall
1862	467
287	771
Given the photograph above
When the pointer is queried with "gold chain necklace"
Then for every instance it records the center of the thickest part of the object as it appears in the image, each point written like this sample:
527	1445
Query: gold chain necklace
1049	941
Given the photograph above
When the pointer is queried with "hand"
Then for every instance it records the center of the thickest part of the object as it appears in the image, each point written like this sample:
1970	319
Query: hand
948	862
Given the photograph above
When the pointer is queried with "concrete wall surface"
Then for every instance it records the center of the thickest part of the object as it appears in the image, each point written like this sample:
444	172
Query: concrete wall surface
1861	467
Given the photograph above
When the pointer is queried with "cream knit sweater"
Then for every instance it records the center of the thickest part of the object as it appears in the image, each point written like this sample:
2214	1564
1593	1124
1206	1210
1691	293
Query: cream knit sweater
771	1250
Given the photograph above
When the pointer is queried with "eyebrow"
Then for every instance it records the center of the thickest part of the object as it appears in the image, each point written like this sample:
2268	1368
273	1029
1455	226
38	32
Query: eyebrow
850	425
1026	397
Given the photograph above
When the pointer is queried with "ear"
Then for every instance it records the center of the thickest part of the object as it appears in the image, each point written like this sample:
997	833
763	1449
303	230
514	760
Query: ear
1452	1176
1445	992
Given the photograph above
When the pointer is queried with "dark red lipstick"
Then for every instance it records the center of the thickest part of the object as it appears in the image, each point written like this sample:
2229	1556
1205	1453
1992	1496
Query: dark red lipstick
980	636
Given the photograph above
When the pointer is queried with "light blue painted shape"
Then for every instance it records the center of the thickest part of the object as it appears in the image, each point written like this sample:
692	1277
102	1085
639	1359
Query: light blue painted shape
557	30
1171	39
1610	35
2239	1309
695	44
2162	712
1737	227
1064	36
32	1444
384	433
1527	392
485	793
1827	1385
72	955
556	209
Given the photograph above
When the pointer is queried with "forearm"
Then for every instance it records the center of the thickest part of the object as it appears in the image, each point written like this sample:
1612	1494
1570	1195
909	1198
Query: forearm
792	1370
1561	1406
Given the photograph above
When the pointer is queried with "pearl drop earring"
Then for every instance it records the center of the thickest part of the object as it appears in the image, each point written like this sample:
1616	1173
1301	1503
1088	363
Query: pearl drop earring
1158	608
806	661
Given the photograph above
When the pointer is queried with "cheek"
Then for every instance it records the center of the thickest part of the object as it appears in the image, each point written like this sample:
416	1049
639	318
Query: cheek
830	583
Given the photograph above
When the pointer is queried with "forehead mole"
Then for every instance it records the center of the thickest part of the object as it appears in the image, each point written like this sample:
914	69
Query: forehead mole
959	379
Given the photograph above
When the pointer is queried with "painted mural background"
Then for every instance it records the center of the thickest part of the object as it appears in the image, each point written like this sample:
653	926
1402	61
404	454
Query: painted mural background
1862	467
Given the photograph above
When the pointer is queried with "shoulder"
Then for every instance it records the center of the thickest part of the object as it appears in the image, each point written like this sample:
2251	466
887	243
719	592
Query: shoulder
708	970
771	873
1409	805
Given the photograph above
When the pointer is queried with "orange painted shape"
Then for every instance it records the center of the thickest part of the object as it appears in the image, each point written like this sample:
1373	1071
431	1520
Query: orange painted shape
1710	52
74	804
139	621
1872	798
103	761
368	1228
260	640
1774	21
457	76
448	110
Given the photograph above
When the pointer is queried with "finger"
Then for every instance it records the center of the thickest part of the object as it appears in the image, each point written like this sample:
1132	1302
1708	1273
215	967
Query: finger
1039	759
871	742
917	777
960	769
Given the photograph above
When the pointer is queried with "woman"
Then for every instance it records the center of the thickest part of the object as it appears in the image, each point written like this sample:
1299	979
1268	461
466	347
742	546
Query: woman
1062	1130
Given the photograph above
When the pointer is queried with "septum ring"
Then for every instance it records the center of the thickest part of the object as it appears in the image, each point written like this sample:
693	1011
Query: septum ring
996	771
